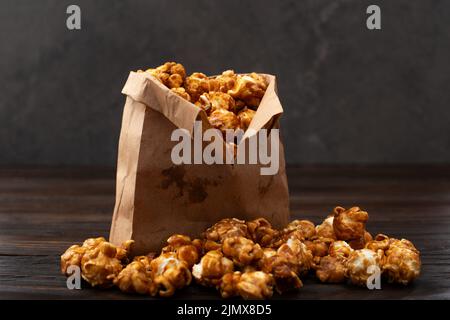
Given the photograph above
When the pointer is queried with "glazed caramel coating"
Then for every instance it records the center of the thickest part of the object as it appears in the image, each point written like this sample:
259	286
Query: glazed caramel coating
245	118
124	250
72	257
182	93
169	274
211	268
262	232
229	227
249	88
332	269
145	260
224	120
381	242
287	263
401	263
185	249
215	100
248	285
340	249
361	242
349	224
255	285
226	81
326	229
92	243
241	250
197	84
319	247
74	254
358	263
298	229
228	284
99	266
171	74
136	278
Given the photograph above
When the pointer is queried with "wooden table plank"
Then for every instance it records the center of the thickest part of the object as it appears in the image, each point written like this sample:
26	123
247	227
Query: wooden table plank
44	210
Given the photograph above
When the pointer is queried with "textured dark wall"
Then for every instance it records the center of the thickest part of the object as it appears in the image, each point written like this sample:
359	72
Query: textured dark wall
350	95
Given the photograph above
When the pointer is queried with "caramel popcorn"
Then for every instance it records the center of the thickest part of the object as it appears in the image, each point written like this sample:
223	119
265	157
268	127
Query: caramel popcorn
226	228
197	84
228	286
226	81
100	266
249	259
262	232
214	101
319	247
326	229
349	224
72	257
241	250
136	278
249	285
298	229
185	249
249	88
224	120
169	274
245	118
287	263
171	74
359	262
381	242
340	249
211	268
402	262
182	93
332	269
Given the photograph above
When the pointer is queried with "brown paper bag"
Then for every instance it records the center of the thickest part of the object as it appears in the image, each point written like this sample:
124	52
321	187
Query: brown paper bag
155	198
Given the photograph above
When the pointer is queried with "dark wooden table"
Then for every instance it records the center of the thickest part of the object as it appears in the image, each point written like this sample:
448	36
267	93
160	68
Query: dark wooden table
43	211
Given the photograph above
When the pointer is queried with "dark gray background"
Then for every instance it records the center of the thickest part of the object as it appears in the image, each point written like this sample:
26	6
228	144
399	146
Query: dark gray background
350	95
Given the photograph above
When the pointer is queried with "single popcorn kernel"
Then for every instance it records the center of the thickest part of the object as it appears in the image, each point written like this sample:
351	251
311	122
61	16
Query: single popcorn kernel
245	118
230	227
262	232
255	285
241	250
349	224
72	257
332	269
211	268
226	81
169	274
402	262
249	88
185	249
358	264
136	278
197	84
224	120
297	229
213	100
326	229
99	266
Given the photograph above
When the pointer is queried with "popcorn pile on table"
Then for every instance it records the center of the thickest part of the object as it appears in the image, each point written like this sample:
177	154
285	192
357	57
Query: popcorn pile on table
251	259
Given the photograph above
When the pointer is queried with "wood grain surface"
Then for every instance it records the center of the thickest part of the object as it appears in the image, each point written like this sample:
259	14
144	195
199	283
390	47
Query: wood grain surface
45	210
